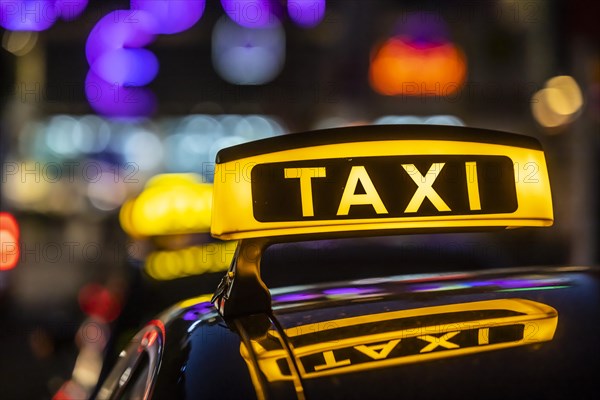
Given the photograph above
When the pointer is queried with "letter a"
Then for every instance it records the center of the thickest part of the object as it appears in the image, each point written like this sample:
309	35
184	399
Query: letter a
350	198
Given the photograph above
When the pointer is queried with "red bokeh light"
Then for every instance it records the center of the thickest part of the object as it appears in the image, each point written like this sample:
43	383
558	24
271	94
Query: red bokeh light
9	242
97	301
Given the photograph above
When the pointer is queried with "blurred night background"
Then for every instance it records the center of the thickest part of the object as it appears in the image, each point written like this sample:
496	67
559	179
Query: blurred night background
100	99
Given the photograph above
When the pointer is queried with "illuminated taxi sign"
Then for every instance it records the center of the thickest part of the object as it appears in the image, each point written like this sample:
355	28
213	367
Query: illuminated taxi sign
408	336
375	178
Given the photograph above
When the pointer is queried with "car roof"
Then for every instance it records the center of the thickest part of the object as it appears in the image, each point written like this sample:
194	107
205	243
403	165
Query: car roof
337	340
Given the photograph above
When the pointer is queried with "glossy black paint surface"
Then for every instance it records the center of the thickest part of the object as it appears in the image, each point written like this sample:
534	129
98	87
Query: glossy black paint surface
202	357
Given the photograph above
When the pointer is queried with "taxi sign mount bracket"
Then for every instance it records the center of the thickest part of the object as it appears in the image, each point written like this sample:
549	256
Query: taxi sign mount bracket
242	291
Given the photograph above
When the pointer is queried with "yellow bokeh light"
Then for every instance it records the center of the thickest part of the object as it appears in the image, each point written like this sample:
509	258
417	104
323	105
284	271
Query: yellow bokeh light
558	103
196	260
566	97
170	204
19	43
543	113
27	187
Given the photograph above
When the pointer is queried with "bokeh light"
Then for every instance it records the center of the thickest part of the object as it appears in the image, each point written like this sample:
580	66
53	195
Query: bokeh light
250	14
187	151
306	13
222	143
419	60
557	104
194	260
119	65
173	16
567	100
143	149
95	134
401	68
450	120
9	242
244	56
38	15
116	100
107	191
117	30
27	15
19	43
70	9
25	190
133	67
9	223
97	301
170	204
61	135
67	164
9	250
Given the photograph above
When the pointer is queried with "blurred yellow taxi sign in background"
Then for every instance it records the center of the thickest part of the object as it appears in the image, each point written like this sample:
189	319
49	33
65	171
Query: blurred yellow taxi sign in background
195	260
380	178
169	204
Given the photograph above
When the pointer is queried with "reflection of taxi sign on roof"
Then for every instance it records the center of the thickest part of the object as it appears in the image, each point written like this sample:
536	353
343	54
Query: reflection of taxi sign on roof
369	180
407	336
380	178
170	204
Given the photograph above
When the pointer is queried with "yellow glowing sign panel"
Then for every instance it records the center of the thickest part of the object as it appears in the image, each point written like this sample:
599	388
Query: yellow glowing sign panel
170	204
409	336
390	184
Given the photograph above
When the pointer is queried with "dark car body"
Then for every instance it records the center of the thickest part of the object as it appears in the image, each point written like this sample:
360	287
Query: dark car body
512	333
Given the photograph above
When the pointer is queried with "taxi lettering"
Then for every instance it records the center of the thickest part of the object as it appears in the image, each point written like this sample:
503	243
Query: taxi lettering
383	187
417	346
409	336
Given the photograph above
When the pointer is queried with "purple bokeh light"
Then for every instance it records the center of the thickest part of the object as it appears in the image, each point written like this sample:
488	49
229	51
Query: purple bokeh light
117	100
70	9
423	29
27	15
131	67
118	64
244	56
119	29
173	16
306	13
38	15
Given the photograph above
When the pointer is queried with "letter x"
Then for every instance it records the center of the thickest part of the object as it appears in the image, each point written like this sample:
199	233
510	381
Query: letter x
435	342
425	188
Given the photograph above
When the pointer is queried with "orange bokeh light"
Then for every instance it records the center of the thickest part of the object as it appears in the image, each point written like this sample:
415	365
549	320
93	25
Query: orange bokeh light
9	242
9	250
399	68
9	223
